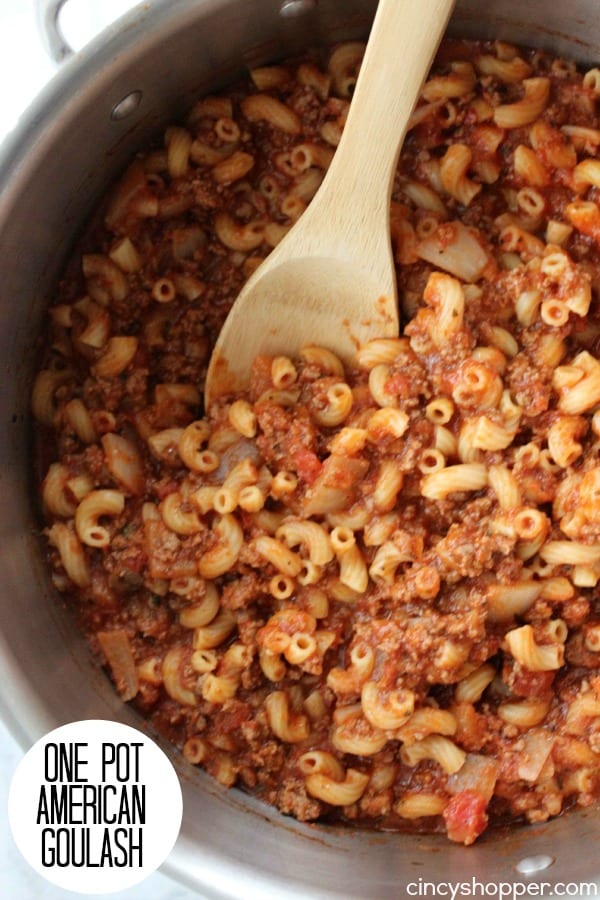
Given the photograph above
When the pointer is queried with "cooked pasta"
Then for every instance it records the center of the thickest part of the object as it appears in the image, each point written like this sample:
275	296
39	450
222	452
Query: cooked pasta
365	591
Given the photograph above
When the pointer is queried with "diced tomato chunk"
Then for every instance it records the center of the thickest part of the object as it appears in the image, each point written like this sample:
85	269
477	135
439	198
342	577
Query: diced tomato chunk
465	817
525	682
260	376
399	383
308	465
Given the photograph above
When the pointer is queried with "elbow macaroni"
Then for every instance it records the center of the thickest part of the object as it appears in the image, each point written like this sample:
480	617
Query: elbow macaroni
367	587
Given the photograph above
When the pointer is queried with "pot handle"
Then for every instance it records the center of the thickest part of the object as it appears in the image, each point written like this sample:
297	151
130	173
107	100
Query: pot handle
47	13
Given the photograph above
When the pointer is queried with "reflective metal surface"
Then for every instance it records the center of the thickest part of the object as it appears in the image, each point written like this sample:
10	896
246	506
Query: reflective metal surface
52	173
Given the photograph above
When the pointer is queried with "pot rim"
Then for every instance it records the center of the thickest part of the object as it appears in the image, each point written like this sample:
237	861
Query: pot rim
22	709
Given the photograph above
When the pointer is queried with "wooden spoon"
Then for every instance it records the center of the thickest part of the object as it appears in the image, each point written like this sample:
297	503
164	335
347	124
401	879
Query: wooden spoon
331	280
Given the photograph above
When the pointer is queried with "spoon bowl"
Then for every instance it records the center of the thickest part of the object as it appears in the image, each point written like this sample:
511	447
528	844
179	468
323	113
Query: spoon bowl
291	297
331	280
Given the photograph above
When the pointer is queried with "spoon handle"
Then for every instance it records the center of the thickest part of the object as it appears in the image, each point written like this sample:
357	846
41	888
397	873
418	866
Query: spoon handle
403	41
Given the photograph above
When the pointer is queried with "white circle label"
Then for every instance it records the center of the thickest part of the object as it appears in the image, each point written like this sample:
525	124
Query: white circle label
95	806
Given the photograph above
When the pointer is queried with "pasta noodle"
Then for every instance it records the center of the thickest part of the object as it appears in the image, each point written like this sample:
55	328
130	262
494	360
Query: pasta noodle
365	589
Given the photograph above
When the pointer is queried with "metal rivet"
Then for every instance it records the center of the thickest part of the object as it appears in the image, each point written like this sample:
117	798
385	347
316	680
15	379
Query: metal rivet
126	106
532	864
290	8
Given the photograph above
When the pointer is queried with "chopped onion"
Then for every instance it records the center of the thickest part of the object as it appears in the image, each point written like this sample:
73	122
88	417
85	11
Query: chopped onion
454	248
237	452
334	487
532	759
119	656
478	773
124	462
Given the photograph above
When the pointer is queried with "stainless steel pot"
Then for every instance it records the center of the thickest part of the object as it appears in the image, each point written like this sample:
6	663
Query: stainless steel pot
100	107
